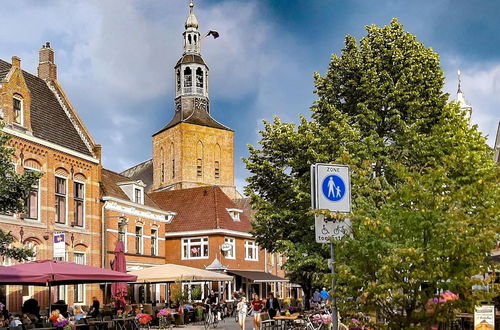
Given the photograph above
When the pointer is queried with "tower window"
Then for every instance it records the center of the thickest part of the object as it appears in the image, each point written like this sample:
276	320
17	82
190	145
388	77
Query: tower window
199	78
178	80
173	168
189	39
18	110
199	167
217	169
188	77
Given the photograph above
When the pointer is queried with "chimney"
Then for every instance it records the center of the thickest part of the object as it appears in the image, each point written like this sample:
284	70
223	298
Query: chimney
16	62
47	70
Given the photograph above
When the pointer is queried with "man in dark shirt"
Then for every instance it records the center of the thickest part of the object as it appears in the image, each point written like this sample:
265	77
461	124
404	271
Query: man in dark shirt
272	305
94	310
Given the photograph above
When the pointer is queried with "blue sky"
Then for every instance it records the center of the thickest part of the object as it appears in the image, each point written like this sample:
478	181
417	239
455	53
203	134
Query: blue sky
115	58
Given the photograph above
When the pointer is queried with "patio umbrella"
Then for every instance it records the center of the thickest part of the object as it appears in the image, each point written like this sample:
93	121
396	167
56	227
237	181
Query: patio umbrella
18	276
173	272
61	273
119	289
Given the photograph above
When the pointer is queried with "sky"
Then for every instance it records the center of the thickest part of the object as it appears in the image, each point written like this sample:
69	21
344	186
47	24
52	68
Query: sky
115	58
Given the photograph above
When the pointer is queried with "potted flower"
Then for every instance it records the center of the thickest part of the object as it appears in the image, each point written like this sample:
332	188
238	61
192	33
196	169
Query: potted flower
322	319
164	318
143	319
65	325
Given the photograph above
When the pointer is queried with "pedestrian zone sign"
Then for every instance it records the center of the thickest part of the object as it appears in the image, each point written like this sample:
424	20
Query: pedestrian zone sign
331	187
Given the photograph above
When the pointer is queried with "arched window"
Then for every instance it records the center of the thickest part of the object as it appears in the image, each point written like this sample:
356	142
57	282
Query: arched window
217	162
199	78
178	79
173	159
199	160
189	39
188	77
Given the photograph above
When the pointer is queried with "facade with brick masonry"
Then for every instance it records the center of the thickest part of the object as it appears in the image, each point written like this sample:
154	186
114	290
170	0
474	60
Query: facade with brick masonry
131	216
49	137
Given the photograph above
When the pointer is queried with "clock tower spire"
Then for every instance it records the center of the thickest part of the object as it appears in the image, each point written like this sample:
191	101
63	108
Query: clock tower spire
193	149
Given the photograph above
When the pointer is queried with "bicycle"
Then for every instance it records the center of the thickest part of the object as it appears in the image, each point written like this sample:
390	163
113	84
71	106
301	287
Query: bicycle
211	318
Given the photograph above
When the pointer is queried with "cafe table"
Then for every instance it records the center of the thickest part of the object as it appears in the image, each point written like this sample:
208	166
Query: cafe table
286	321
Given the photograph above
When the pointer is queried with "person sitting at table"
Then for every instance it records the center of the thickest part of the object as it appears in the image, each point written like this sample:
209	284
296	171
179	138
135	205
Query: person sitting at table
272	305
96	305
56	316
79	313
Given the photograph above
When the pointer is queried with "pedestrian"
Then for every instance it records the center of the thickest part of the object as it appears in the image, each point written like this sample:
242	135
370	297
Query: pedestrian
317	297
257	307
272	305
242	309
324	295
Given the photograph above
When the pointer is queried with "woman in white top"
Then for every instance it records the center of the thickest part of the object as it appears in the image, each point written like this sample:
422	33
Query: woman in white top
242	309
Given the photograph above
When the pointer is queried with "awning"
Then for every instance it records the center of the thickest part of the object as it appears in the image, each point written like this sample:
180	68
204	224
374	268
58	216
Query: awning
173	272
258	276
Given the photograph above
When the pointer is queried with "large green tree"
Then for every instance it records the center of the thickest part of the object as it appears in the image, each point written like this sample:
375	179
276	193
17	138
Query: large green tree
14	189
425	189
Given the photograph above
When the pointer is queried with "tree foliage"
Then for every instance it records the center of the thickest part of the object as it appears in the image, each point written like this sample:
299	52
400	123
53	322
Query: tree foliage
14	190
424	185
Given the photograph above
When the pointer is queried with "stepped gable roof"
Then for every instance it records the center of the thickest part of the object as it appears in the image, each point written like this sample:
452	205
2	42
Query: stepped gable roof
142	171
48	119
109	187
202	208
197	117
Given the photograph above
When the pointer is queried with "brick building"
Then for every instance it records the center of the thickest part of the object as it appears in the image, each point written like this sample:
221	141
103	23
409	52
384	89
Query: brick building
49	137
131	216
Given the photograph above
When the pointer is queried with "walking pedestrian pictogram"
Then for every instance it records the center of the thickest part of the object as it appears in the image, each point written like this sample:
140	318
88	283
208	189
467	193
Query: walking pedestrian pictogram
333	188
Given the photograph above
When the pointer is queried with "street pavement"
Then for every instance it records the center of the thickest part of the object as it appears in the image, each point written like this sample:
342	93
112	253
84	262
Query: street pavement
227	324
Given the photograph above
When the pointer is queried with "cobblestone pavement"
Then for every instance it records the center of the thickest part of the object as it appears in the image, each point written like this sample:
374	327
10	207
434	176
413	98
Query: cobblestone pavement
227	324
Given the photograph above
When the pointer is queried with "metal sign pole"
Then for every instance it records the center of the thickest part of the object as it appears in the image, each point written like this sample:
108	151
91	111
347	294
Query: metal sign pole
335	320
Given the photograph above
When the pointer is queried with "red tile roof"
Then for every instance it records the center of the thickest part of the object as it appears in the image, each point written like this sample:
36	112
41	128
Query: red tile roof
202	208
109	187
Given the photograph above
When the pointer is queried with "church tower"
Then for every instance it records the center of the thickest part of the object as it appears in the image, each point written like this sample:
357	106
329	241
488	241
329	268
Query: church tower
464	106
193	149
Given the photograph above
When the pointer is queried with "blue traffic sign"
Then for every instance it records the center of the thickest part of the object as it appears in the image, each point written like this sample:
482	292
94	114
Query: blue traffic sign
333	188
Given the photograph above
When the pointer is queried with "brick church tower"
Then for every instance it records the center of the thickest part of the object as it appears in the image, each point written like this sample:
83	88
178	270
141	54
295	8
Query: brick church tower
193	149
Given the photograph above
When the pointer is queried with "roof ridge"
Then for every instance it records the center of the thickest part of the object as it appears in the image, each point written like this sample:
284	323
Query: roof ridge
136	165
217	221
114	172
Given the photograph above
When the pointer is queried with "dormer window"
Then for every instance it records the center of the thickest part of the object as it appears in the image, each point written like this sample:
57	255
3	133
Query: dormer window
235	214
138	195
18	110
134	190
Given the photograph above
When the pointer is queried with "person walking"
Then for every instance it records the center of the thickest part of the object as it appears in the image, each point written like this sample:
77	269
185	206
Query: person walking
257	307
324	295
272	305
316	298
242	309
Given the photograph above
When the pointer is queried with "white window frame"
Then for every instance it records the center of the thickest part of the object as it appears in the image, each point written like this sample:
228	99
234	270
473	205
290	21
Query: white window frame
231	241
141	194
235	214
125	235
21	116
251	244
141	240
39	199
83	198
189	286
82	287
66	199
156	241
186	242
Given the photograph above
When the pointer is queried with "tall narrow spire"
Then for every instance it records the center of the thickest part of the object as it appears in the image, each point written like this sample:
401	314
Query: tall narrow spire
461	99
192	38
